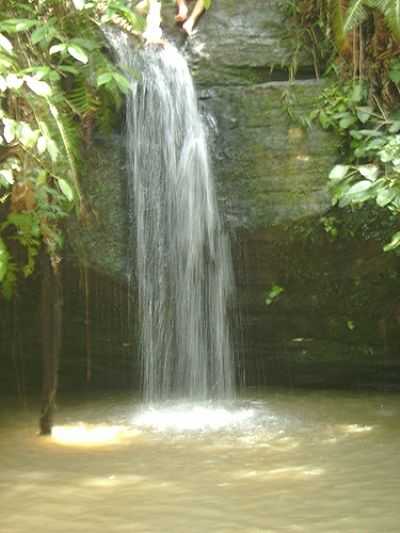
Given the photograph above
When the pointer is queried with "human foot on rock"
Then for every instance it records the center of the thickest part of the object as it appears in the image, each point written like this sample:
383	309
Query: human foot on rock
182	11
188	26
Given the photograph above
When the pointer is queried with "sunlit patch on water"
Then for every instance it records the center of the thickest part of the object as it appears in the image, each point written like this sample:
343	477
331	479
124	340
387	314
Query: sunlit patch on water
355	428
192	417
82	434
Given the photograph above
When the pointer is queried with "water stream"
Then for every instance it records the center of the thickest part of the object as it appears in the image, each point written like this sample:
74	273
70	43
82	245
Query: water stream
180	254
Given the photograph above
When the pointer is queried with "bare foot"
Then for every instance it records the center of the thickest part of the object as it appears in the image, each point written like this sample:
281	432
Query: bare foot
182	12
188	25
142	7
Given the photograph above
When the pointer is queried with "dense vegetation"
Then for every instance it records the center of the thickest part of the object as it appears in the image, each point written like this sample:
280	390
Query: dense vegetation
57	84
356	44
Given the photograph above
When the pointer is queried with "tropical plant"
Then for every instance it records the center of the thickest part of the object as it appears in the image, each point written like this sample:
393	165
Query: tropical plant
56	83
361	102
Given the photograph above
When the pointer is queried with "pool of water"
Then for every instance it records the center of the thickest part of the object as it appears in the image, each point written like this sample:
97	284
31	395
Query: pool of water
280	461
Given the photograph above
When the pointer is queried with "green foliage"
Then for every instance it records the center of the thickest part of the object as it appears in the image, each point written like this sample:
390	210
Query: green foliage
355	15
56	81
273	294
344	20
342	106
371	171
391	12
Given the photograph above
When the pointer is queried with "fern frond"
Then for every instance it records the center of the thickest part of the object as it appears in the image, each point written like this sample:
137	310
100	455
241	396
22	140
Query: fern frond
376	4
391	11
82	100
65	129
355	15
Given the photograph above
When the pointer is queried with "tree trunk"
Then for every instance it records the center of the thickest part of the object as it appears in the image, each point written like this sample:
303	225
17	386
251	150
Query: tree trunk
51	318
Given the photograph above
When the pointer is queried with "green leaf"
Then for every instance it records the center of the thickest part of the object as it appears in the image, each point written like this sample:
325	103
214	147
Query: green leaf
347	121
9	131
122	82
6	44
14	82
57	48
41	88
77	53
391	10
41	144
39	34
4	260
339	172
68	69
355	15
87	44
52	149
273	293
357	94
359	187
207	4
26	135
104	78
394	75
24	25
395	127
7	175
364	114
5	63
359	192
324	119
339	189
394	243
385	196
66	189
370	133
369	171
17	25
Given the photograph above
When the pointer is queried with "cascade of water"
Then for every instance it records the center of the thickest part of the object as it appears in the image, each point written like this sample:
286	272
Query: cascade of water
182	256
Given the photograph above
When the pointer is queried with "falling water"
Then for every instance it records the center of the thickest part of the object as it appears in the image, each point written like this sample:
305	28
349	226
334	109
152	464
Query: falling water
182	257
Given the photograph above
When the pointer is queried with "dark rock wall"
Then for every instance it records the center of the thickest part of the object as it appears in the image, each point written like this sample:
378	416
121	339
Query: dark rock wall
336	321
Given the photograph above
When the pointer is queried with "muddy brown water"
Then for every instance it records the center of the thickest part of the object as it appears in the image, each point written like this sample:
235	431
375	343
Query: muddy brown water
276	461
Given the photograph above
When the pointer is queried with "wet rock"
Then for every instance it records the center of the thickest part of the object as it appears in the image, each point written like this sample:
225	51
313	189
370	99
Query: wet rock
269	169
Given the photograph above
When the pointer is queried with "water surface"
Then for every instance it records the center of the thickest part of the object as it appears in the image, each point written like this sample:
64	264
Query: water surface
272	462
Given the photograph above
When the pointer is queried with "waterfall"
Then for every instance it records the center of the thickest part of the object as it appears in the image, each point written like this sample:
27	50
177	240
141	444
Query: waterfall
181	254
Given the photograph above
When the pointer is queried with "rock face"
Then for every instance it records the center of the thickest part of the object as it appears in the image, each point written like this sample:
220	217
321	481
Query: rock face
269	170
271	176
335	323
247	42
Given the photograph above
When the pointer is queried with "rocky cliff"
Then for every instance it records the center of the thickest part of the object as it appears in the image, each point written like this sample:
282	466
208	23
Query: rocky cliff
336	319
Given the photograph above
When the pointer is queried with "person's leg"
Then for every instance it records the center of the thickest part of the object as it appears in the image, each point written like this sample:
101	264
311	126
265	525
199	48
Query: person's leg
195	14
182	11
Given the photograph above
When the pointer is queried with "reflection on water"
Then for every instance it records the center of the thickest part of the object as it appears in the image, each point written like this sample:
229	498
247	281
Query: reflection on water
295	462
188	417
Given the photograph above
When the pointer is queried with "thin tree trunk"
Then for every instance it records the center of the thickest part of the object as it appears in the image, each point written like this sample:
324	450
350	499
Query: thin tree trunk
51	317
